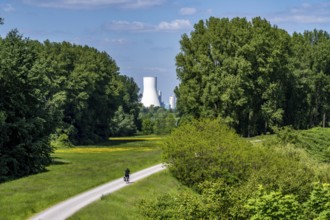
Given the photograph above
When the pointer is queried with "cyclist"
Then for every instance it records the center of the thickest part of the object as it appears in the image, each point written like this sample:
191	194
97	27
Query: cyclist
127	172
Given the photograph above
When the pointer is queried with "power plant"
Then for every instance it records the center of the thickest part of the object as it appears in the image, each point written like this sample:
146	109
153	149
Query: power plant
172	102
150	96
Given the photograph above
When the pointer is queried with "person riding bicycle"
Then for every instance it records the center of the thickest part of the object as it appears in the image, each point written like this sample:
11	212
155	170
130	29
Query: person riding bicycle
127	172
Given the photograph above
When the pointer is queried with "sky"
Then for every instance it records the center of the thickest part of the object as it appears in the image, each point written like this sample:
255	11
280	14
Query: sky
143	36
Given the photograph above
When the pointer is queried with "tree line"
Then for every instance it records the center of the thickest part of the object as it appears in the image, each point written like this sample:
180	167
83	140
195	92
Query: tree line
157	120
66	93
254	75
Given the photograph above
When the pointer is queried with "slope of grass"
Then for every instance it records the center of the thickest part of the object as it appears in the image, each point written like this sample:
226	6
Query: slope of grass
315	141
74	170
124	204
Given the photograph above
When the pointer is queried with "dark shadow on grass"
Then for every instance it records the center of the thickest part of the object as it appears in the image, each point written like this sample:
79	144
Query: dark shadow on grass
59	161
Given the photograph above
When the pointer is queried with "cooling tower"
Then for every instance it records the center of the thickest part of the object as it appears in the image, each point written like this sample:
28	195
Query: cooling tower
172	102
150	96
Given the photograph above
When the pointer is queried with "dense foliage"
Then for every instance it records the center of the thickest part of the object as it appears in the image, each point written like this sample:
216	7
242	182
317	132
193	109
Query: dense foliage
66	93
26	117
234	179
254	75
157	120
88	90
211	205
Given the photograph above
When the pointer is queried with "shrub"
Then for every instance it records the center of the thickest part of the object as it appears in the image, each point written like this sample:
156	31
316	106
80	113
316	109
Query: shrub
206	150
318	205
273	205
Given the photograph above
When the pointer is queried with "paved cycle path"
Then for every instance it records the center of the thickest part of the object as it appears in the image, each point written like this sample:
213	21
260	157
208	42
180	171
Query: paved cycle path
68	207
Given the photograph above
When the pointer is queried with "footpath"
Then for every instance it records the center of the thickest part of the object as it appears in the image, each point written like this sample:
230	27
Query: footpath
68	207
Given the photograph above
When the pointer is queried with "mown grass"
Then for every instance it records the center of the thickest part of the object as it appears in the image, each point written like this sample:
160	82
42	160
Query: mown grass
124	204
75	170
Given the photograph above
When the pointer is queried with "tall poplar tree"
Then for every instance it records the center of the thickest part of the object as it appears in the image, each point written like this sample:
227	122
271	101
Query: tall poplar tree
309	103
234	69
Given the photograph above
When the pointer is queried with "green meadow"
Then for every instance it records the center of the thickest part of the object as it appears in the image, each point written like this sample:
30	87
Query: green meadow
124	204
80	168
76	170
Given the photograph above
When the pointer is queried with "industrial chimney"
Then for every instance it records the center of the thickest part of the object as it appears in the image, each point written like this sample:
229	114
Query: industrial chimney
150	96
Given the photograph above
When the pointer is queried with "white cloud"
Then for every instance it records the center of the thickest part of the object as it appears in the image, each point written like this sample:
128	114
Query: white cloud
304	19
188	11
306	14
119	41
80	4
8	8
155	69
134	26
137	26
174	25
142	3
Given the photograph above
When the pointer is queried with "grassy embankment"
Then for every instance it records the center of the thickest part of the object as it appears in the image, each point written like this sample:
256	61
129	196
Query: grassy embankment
123	204
76	170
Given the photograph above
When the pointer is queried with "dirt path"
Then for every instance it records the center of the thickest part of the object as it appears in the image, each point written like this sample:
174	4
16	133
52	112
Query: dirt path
68	207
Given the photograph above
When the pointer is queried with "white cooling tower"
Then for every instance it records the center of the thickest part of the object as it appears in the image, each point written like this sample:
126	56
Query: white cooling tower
172	102
150	96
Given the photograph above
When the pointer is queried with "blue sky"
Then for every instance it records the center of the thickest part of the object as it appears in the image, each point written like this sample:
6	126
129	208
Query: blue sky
143	36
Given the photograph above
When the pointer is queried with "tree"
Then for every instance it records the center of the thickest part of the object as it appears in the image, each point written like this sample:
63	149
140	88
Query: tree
27	118
157	120
130	101
234	69
122	124
147	126
88	89
308	103
164	121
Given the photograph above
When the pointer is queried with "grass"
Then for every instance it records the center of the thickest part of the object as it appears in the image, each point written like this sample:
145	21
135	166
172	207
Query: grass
124	204
75	170
257	140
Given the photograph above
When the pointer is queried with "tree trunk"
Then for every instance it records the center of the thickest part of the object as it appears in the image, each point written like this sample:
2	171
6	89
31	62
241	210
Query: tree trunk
324	120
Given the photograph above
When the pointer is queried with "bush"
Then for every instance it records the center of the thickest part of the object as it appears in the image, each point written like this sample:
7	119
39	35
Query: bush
225	169
122	124
318	205
207	150
273	205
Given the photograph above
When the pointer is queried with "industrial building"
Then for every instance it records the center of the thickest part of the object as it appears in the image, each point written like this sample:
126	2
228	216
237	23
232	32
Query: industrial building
150	97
